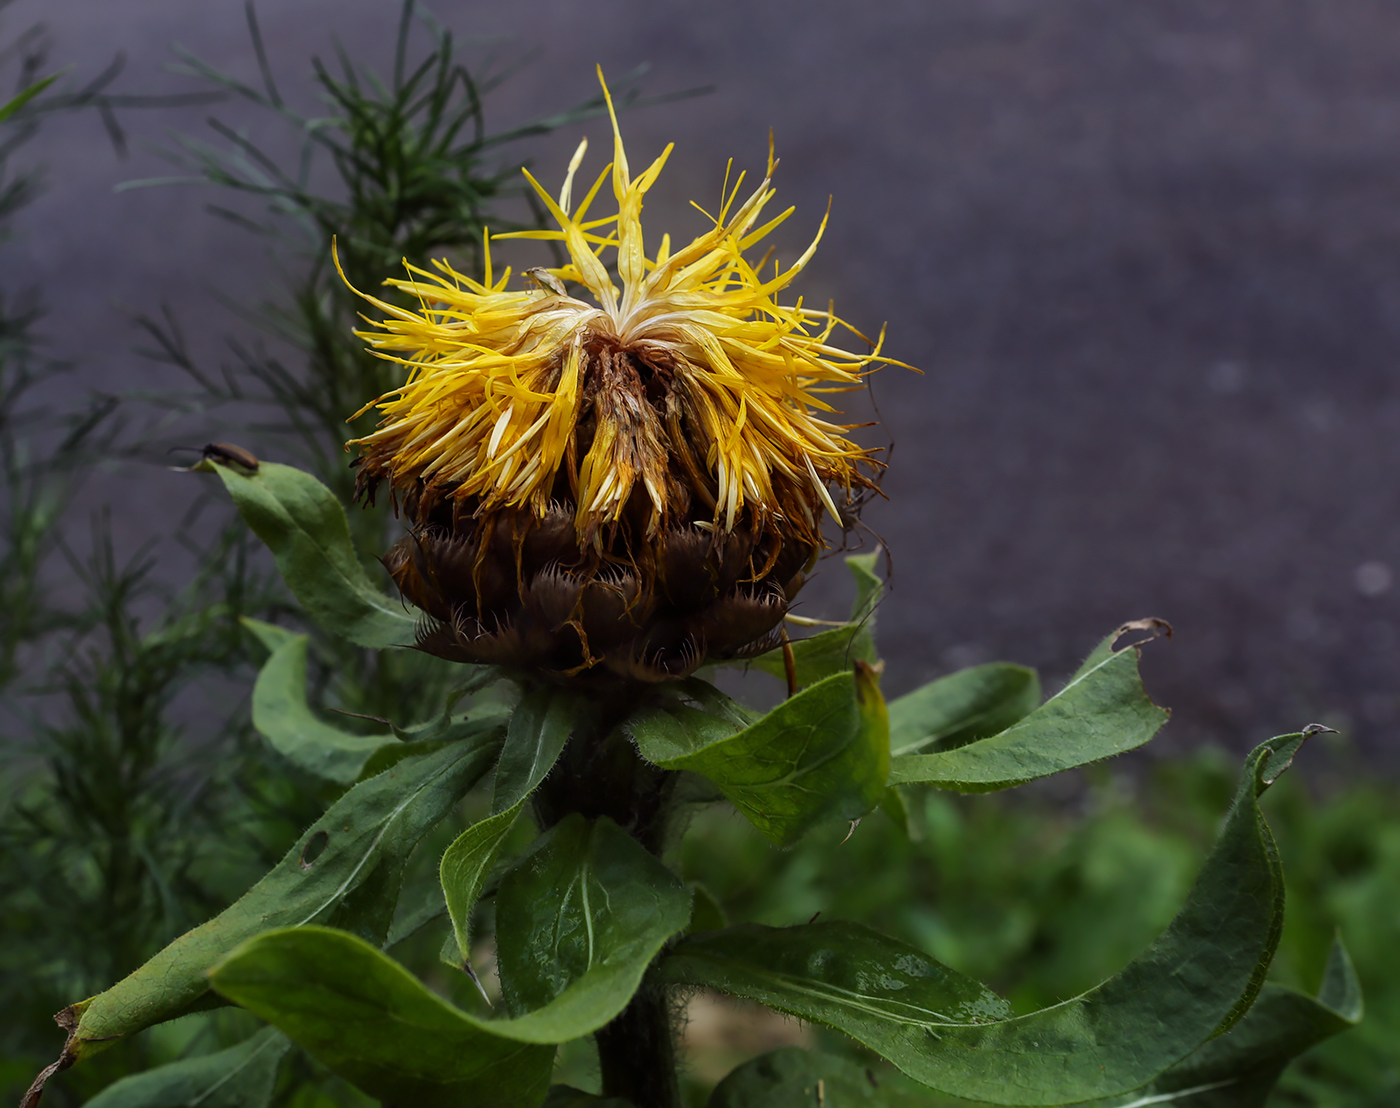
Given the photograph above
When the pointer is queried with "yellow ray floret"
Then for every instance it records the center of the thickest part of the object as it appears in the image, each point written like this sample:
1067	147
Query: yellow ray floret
500	383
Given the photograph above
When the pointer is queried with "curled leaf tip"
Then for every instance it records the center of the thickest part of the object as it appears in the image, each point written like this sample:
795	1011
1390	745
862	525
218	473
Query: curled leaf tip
1156	628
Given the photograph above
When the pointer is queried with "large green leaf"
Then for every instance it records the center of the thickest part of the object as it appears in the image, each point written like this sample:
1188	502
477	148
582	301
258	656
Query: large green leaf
1239	1069
345	870
371	1021
242	1076
304	526
581	916
1102	711
822	754
365	1017
835	969
962	707
821	655
1193	983
283	717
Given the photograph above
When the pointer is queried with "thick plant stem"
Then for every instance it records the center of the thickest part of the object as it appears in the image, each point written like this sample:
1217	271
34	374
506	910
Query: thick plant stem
600	774
637	1056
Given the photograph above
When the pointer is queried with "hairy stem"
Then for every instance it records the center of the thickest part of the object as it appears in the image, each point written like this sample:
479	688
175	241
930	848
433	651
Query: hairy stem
637	1056
600	774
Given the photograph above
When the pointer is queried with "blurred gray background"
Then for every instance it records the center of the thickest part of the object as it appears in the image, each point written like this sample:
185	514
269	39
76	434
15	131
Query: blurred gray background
1147	255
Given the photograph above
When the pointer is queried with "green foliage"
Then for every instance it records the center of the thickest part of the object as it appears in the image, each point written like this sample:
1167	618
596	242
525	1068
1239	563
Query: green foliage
370	1020
582	915
795	1078
305	527
283	716
822	754
346	869
588	909
971	704
1239	1070
1193	983
1103	710
243	1076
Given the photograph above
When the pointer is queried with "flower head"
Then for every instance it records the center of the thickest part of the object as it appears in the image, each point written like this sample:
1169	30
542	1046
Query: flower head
635	474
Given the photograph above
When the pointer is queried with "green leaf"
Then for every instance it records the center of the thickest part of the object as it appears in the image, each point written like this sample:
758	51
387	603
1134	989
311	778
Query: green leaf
368	1019
566	1096
242	1076
16	102
791	1077
345	870
465	866
835	651
822	754
578	920
269	635
1193	983
1102	711
962	707
895	807
365	1017
706	913
839	973
304	526
570	1097
283	717
1239	1070
539	727
535	736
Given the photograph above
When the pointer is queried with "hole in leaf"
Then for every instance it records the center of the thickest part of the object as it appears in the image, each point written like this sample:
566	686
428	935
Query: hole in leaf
313	848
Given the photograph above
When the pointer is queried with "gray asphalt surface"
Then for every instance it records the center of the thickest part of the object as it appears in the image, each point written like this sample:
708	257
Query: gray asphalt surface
1148	257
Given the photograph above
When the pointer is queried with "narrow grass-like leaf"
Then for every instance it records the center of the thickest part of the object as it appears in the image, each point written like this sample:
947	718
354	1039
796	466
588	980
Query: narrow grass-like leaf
822	754
1193	983
304	526
962	707
283	717
345	870
15	103
1102	711
242	1076
579	918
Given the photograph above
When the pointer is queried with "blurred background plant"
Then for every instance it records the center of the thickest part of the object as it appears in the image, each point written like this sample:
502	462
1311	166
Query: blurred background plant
139	800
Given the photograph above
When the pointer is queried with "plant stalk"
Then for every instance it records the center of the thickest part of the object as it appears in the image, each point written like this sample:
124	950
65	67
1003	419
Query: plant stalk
599	773
637	1054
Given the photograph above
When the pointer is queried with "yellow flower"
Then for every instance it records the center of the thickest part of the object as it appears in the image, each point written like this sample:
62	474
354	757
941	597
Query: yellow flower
658	454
